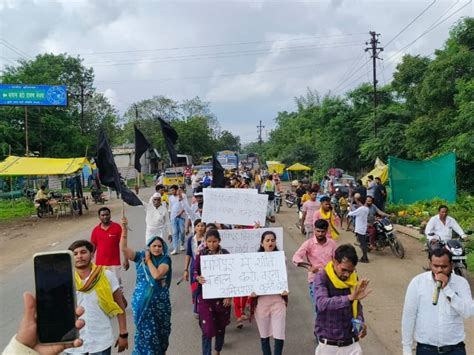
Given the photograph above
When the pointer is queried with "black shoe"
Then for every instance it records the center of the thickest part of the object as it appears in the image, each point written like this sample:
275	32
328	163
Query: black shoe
364	260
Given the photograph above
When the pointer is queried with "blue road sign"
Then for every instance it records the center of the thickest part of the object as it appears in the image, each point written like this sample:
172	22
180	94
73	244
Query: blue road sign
33	95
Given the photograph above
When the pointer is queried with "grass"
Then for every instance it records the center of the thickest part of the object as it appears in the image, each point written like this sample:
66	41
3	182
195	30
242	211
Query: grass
470	262
17	208
149	178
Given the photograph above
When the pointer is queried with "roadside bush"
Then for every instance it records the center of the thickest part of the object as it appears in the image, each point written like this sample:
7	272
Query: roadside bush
419	213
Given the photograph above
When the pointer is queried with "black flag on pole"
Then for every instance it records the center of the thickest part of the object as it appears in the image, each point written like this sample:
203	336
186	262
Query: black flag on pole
171	136
218	178
108	172
141	146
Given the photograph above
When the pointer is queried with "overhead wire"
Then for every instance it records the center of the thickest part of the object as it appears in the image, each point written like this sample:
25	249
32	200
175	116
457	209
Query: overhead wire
361	67
220	55
229	74
217	45
410	23
18	51
430	28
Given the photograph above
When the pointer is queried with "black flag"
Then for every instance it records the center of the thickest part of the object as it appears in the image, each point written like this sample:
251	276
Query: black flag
108	172
218	178
171	137
141	146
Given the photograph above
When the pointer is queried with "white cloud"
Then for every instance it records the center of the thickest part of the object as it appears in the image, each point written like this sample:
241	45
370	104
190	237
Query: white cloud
89	26
112	96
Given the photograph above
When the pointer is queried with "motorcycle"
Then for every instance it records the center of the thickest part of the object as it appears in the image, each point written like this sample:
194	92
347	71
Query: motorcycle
43	208
386	237
277	202
290	199
458	252
97	196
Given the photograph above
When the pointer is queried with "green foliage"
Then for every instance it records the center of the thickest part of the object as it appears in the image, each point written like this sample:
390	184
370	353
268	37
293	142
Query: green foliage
427	110
470	262
17	208
419	213
198	131
56	131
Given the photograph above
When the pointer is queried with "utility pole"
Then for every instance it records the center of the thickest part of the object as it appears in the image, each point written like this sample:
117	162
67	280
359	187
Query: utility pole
136	113
26	131
260	127
374	55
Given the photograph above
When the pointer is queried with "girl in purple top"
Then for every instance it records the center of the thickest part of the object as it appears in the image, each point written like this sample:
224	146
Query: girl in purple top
214	314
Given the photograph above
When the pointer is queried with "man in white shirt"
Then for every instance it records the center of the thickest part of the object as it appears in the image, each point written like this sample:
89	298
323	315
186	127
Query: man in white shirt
157	219
441	226
194	181
178	217
371	186
437	329
361	215
99	307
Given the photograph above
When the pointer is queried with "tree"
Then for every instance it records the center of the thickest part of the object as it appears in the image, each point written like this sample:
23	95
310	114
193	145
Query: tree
56	131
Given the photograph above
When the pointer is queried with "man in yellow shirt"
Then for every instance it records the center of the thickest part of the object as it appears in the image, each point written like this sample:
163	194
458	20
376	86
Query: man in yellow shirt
164	196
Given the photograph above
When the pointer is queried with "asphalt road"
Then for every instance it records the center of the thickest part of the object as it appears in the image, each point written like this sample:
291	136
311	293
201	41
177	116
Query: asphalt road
389	277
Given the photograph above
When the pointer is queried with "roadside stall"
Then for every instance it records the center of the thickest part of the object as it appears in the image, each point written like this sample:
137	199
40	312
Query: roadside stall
54	171
295	168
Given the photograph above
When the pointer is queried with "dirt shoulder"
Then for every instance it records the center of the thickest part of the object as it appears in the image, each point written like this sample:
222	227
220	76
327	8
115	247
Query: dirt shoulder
22	238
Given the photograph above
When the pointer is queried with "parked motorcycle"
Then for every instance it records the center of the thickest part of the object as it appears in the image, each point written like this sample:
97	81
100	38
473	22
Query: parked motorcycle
290	199
457	250
43	208
386	237
97	196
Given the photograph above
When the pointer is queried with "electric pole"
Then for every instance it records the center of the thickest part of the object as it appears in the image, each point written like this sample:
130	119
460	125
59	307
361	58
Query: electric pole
260	127
136	115
374	41
26	132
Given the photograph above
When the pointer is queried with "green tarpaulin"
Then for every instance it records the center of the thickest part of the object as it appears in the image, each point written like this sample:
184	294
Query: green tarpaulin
412	181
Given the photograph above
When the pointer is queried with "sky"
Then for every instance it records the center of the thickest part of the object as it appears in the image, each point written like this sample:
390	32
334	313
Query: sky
249	59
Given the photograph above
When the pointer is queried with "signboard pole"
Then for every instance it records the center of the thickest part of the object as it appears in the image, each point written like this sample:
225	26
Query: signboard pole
26	131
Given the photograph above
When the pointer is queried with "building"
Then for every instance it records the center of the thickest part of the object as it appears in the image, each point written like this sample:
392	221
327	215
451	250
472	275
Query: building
124	157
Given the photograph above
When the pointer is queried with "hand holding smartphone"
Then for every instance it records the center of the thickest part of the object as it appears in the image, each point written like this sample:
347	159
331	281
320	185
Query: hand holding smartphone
55	297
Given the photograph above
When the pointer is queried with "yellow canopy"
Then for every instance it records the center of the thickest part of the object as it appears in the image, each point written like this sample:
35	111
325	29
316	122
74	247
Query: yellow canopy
380	170
13	165
277	166
298	167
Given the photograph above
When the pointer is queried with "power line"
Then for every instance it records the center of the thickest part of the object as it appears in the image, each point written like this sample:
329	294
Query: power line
348	85
15	49
431	28
351	68
410	23
350	76
222	55
228	75
217	45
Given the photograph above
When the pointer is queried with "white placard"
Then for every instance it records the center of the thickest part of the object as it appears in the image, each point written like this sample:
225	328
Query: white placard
247	240
234	206
236	275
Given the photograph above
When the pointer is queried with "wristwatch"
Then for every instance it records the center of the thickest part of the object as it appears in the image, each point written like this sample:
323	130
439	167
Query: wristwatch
123	336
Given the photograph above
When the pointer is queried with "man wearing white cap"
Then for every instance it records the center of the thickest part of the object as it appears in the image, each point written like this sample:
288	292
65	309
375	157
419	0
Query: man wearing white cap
157	218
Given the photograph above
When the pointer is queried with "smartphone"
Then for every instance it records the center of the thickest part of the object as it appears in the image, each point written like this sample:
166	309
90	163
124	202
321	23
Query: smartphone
55	297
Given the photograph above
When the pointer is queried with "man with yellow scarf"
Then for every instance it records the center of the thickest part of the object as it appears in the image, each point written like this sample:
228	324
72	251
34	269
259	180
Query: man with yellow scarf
338	291
327	213
98	291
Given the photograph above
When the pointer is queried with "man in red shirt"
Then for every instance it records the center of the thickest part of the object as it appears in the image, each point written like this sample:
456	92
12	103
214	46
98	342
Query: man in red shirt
106	239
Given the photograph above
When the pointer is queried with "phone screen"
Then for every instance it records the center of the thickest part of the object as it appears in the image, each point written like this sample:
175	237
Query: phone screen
55	298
